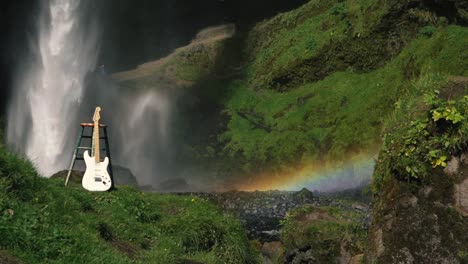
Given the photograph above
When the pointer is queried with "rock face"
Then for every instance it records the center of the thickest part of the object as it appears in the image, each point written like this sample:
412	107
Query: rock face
75	176
123	176
272	251
461	197
5	257
173	185
460	193
304	194
423	225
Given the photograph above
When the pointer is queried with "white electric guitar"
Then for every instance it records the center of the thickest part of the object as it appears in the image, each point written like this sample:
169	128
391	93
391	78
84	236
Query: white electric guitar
96	177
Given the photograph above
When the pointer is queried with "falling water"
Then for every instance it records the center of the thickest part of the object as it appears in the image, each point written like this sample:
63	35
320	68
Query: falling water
49	88
139	130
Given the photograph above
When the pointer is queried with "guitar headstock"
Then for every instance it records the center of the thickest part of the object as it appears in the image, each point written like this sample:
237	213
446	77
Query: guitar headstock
97	115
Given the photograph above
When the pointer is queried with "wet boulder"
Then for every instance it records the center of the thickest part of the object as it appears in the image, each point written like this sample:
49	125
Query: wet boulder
424	224
304	195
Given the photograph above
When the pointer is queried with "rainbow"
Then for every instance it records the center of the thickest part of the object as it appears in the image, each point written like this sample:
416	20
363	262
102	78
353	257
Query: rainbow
333	176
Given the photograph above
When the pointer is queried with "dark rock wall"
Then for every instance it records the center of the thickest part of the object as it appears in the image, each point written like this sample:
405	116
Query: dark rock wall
423	225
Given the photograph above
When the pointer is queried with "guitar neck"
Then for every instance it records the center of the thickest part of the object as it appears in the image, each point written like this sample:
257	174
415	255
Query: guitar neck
97	151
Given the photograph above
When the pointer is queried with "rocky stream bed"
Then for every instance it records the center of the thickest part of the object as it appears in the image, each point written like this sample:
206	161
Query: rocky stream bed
261	212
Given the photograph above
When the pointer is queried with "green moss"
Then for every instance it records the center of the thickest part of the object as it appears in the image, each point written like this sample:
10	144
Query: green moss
342	113
427	31
323	37
325	231
285	41
185	66
197	62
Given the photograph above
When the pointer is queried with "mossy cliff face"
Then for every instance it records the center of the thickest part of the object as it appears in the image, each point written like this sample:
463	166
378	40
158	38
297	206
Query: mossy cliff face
182	68
420	184
427	225
321	81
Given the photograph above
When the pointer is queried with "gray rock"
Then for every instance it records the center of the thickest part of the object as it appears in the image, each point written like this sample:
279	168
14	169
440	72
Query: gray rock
173	185
452	166
123	176
461	197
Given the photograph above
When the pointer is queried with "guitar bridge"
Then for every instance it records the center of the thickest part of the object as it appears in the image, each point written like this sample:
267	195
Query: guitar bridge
97	179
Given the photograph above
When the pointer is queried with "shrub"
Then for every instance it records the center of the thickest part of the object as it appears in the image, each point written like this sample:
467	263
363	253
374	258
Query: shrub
412	150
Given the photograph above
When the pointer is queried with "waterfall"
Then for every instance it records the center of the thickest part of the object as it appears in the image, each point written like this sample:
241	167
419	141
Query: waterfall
49	88
140	133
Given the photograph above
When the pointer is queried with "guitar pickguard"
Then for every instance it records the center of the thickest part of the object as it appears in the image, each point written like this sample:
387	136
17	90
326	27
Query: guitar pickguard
96	177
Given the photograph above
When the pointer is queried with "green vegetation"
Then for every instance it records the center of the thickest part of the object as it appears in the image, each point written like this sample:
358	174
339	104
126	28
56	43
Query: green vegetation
427	31
344	112
43	221
420	143
427	131
323	37
316	84
325	230
197	63
322	82
192	63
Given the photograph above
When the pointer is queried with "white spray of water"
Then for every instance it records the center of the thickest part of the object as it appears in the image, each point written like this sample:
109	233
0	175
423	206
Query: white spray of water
49	89
140	125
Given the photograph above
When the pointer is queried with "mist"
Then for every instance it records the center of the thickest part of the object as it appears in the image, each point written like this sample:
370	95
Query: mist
139	126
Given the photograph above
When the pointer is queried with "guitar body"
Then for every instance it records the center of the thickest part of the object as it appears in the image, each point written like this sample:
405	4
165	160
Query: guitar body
96	177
